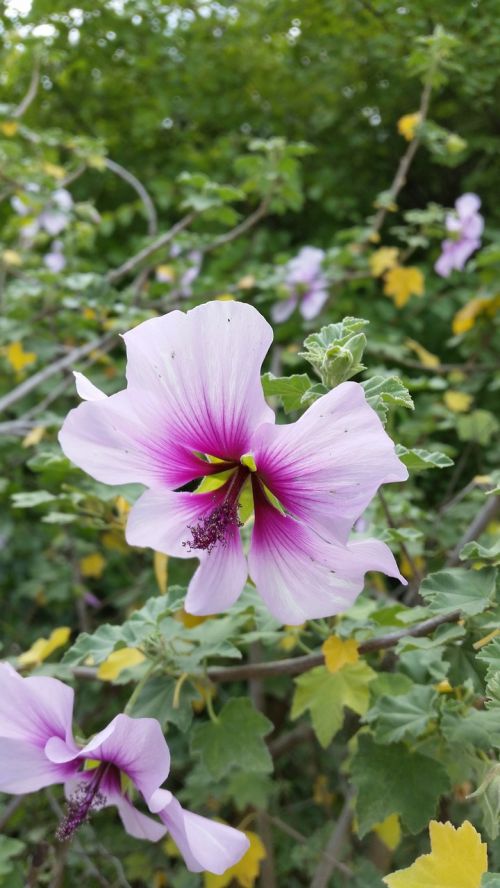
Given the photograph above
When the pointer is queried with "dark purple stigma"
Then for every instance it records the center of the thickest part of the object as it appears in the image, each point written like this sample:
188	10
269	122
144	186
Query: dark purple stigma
212	529
84	801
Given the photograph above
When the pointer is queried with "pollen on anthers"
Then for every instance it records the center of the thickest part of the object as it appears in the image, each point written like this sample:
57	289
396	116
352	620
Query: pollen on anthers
84	801
212	528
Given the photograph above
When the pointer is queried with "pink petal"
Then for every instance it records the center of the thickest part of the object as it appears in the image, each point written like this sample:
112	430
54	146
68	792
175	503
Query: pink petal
282	309
203	368
138	825
220	578
312	303
137	747
86	389
24	767
467	205
326	467
160	519
302	577
34	709
204	844
122	439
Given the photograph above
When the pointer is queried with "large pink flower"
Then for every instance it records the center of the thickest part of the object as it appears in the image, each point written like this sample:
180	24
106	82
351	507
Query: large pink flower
37	749
194	407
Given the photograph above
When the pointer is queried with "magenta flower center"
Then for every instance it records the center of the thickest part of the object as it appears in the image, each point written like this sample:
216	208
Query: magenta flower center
213	528
87	799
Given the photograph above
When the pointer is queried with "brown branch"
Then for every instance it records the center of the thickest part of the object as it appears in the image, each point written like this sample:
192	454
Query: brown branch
399	180
239	229
31	93
328	861
488	512
24	388
139	188
297	665
117	273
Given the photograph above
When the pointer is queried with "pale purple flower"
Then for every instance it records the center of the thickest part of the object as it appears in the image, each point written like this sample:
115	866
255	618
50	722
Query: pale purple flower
466	227
53	218
306	284
55	260
194	407
37	749
195	259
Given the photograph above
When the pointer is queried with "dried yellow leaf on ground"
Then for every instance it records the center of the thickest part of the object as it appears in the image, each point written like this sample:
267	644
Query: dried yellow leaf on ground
401	283
407	125
8	128
458	859
389	831
160	564
44	647
382	260
125	658
427	358
92	565
338	653
246	872
457	402
18	358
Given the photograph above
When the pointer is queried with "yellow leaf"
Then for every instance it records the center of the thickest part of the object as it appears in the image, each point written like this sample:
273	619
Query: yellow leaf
18	358
321	794
96	161
338	653
466	317
117	661
189	621
44	647
122	507
33	437
407	568
289	641
389	831
225	297
457	402
8	128
401	283
487	638
382	260
408	124
444	687
160	563
425	357
54	170
245	872
92	565
246	282
165	274
114	539
10	257
89	314
458	859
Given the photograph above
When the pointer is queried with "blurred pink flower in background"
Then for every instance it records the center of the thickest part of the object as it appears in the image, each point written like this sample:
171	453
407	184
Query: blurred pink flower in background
306	284
466	227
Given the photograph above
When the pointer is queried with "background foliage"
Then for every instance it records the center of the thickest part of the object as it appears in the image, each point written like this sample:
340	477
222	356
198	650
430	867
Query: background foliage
255	129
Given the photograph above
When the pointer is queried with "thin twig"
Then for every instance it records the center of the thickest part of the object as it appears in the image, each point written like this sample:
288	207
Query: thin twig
475	528
404	164
139	188
31	93
328	861
24	388
117	273
242	227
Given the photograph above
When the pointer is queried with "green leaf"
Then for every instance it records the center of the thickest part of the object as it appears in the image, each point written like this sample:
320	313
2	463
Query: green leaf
234	740
393	780
405	716
250	789
480	426
325	694
470	591
9	848
386	392
289	389
417	460
479	729
336	351
473	551
156	701
490	880
29	499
